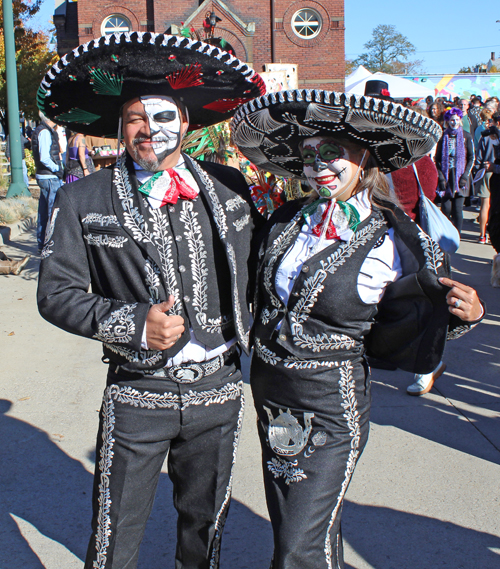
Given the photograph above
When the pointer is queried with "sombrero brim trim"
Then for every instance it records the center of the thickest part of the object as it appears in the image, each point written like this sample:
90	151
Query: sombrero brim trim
203	74
269	129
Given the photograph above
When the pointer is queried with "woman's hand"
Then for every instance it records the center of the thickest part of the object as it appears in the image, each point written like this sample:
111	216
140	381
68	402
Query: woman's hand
463	301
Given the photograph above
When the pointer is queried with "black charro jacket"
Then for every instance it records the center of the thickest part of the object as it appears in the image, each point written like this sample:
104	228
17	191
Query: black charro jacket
98	275
407	328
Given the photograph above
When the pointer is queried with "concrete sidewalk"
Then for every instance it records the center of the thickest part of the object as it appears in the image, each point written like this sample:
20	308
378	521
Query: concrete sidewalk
425	493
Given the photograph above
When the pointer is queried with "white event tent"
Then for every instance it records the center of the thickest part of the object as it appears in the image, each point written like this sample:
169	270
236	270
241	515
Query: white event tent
399	87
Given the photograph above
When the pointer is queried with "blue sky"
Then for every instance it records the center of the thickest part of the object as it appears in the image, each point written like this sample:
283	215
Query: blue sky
443	47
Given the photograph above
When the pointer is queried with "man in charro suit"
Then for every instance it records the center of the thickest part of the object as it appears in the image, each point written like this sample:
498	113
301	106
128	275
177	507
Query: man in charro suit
163	243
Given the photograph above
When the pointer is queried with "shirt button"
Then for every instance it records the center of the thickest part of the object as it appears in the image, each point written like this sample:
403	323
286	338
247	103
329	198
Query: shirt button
282	337
182	269
187	298
305	269
171	209
178	237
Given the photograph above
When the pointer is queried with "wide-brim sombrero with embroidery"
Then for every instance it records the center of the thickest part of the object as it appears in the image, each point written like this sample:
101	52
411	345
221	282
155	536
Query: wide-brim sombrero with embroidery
269	129
87	87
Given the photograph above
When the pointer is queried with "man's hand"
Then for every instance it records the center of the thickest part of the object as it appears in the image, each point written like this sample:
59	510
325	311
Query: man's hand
163	331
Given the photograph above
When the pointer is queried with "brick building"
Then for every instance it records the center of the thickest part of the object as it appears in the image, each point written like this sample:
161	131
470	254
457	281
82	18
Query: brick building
308	33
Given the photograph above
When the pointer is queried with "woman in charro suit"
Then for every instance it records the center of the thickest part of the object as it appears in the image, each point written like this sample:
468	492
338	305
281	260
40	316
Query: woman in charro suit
340	274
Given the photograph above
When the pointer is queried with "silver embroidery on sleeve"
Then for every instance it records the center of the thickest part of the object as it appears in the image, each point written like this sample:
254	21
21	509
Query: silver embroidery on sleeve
243	334
48	243
281	468
152	280
119	327
459	331
350	406
146	357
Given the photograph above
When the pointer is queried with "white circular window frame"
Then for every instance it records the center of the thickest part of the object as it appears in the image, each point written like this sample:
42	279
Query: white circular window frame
299	23
127	27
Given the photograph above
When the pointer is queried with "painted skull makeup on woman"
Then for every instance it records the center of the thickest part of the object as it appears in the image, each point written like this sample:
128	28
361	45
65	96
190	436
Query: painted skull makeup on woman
454	122
331	168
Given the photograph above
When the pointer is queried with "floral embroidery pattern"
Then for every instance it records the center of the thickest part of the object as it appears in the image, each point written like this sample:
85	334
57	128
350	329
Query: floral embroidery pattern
152	280
105	461
313	286
147	357
106	240
279	245
100	219
434	256
199	269
218	210
130	396
222	513
459	331
48	235
240	223
133	219
242	333
291	362
234	203
349	404
119	327
265	354
281	468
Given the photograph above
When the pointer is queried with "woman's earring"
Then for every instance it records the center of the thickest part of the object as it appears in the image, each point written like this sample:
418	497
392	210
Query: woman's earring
361	175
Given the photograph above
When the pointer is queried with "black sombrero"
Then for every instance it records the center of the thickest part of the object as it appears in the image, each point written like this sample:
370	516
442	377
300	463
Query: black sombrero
269	129
87	87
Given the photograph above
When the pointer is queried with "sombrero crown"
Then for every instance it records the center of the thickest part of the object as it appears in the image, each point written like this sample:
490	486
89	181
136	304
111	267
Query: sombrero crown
87	87
269	129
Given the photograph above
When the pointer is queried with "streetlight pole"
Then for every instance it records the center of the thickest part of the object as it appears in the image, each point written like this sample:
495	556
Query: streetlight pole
17	186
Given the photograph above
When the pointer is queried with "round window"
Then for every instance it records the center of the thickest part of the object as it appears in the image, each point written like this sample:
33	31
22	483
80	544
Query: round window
115	24
306	23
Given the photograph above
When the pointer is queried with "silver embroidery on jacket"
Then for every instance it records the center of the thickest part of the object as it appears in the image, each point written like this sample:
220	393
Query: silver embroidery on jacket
119	327
234	203
100	219
239	224
199	269
459	331
152	280
434	256
115	242
146	357
314	285
48	243
243	334
218	210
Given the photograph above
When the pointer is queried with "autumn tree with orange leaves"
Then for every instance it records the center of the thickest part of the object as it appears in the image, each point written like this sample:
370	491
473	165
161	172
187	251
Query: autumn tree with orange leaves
32	56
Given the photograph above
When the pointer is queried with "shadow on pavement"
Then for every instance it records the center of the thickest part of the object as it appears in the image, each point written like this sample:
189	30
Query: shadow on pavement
390	539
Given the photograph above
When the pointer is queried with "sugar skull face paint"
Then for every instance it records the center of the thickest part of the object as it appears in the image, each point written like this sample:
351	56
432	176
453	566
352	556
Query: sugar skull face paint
164	124
455	122
330	168
152	130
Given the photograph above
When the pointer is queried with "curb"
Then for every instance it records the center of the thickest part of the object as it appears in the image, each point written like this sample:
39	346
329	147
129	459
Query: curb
8	232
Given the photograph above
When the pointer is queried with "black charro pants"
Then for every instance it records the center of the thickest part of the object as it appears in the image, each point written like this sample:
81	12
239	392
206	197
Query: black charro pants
142	421
313	426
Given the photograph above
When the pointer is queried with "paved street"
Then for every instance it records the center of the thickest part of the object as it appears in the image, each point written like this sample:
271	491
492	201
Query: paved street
426	493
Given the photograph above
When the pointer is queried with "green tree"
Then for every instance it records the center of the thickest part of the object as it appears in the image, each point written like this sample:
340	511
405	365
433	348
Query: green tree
32	57
388	52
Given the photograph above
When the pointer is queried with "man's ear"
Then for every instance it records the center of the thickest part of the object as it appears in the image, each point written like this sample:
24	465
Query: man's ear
184	128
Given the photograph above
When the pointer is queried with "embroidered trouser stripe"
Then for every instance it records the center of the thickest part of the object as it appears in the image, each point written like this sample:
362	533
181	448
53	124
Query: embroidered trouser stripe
198	426
305	488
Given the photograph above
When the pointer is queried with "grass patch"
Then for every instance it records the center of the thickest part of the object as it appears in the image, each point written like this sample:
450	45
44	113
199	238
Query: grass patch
17	209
